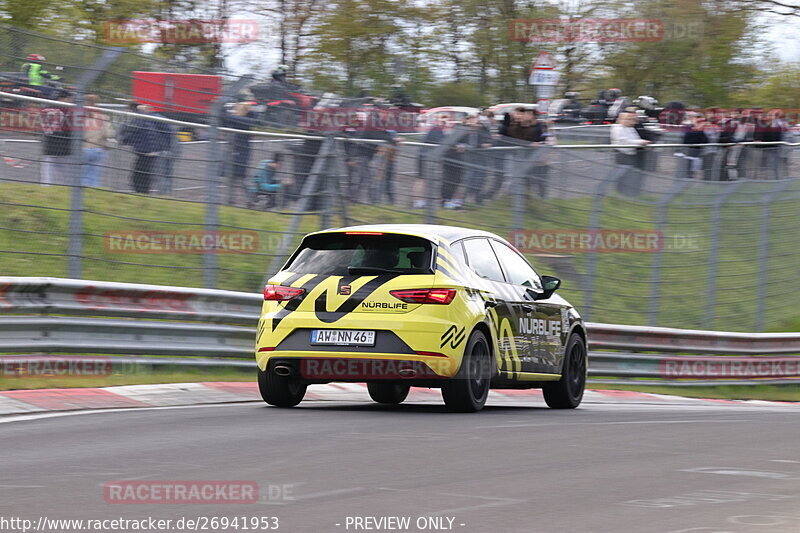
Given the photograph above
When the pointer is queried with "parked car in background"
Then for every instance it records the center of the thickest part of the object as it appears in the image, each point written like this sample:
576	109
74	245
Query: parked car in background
501	109
452	115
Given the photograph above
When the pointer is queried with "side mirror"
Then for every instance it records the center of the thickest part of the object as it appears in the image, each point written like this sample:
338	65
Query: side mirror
550	285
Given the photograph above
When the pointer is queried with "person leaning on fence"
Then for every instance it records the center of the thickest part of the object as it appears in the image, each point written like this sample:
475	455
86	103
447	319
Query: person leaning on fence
745	132
57	133
623	132
726	126
527	129
362	153
477	139
772	128
435	135
241	119
147	138
98	132
695	136
452	177
385	156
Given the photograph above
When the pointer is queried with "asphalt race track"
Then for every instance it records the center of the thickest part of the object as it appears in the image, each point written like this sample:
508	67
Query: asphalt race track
515	467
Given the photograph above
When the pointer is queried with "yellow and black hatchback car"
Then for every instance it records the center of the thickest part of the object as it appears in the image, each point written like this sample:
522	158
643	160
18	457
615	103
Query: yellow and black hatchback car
395	306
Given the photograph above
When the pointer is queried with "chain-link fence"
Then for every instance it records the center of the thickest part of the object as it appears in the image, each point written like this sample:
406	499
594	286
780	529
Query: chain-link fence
672	235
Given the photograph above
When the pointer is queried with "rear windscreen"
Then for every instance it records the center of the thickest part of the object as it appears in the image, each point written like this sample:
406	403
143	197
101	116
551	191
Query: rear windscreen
342	254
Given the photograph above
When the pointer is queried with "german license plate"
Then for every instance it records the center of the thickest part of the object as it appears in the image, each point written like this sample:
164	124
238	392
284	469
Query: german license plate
343	337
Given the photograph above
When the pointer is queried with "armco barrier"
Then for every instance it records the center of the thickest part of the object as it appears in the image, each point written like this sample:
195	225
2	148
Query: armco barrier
56	296
200	327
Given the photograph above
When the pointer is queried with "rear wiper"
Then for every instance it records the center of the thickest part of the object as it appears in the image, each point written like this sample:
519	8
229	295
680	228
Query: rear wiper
372	270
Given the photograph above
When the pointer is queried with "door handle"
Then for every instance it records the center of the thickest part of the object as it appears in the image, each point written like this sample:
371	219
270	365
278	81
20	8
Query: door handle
527	308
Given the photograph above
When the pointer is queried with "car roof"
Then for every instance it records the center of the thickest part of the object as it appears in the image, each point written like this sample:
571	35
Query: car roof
432	232
513	103
451	109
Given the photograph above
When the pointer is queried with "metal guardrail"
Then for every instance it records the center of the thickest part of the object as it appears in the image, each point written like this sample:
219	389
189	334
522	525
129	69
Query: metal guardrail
202	327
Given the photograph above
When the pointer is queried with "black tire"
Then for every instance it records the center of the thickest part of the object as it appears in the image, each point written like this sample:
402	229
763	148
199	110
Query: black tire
567	392
467	392
388	393
280	391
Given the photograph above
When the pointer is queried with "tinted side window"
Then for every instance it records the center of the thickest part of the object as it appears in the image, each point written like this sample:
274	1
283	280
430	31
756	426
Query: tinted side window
482	259
517	270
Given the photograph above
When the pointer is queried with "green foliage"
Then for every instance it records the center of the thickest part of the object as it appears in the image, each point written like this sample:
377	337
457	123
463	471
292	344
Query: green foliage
458	94
780	89
700	59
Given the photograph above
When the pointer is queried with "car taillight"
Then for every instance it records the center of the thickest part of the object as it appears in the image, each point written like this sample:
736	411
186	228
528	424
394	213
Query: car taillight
279	293
425	296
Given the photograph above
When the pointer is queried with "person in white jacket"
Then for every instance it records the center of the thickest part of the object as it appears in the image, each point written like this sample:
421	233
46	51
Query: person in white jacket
624	133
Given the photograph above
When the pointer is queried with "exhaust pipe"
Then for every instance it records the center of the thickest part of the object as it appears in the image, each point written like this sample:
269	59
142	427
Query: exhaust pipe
282	370
407	372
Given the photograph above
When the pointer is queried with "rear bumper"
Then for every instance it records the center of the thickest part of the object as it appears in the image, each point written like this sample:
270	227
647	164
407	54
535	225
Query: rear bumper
359	366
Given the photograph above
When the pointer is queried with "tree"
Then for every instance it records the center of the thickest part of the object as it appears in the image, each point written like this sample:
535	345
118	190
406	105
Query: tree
457	93
355	43
780	89
702	63
295	21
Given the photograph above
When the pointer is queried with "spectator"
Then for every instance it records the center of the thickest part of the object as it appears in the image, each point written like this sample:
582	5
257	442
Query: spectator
486	119
148	138
436	134
508	118
241	119
745	133
452	176
527	129
384	177
56	123
98	133
166	160
695	135
726	126
478	138
267	183
770	128
351	168
36	74
623	132
362	153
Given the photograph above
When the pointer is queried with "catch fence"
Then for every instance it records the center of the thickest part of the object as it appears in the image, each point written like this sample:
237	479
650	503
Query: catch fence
675	235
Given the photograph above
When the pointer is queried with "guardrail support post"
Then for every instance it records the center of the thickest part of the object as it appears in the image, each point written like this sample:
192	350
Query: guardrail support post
713	258
763	252
594	226
215	162
655	279
75	246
